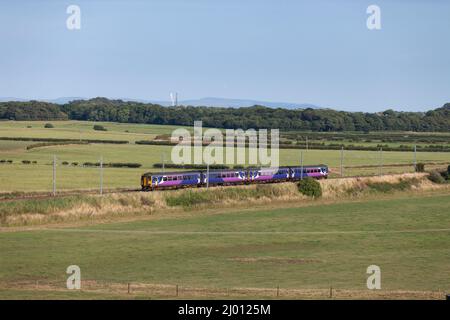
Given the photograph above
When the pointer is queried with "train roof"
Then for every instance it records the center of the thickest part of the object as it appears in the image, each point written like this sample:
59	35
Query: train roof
316	166
178	173
226	170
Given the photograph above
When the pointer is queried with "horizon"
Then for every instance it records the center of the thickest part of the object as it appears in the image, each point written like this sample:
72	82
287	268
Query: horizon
180	104
321	54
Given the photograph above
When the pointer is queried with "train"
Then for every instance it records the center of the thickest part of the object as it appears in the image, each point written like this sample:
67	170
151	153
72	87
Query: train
173	180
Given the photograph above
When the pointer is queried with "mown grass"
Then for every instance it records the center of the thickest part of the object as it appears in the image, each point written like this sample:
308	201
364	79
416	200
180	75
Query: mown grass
299	247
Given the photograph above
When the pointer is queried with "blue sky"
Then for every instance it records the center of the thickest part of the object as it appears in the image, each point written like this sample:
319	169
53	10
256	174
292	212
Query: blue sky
318	52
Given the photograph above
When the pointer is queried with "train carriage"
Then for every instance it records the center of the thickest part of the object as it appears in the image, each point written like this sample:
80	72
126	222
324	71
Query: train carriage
268	174
152	181
173	180
224	177
317	172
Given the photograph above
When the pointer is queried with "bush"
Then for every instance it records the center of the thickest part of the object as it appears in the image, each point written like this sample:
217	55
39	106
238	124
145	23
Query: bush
310	187
100	128
34	162
49	126
26	161
420	167
2	161
9	161
65	163
113	164
436	177
74	164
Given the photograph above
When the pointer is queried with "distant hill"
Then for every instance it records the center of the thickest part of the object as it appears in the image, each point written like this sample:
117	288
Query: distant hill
61	100
238	103
206	102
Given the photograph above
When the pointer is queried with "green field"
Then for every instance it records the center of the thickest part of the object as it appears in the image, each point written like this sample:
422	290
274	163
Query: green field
312	247
83	130
38	177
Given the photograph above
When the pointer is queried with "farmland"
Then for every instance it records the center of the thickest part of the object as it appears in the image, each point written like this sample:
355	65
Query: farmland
242	252
38	176
265	241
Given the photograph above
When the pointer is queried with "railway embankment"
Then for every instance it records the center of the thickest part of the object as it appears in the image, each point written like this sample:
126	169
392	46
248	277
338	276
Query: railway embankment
114	206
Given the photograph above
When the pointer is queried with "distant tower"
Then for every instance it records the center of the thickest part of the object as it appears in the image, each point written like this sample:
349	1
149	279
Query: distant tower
174	99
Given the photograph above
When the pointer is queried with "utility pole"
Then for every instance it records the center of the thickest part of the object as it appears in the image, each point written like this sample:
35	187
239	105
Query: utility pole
207	175
307	143
301	165
54	175
101	175
342	161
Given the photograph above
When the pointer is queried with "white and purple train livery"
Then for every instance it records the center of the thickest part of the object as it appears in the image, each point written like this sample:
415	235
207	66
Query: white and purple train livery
166	180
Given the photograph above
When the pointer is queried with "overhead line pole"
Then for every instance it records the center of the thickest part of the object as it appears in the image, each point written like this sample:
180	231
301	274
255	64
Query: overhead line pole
381	161
207	175
54	175
301	165
415	158
163	161
101	175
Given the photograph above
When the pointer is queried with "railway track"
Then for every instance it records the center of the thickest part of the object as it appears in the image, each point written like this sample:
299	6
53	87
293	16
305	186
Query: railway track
8	197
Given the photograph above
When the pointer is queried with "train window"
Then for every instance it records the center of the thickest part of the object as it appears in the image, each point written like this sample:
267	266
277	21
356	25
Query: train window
164	178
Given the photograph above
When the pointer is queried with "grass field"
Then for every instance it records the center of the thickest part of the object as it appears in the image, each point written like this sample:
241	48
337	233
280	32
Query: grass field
305	248
83	130
38	177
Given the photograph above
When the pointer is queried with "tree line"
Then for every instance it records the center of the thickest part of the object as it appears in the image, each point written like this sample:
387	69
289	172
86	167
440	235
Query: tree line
257	117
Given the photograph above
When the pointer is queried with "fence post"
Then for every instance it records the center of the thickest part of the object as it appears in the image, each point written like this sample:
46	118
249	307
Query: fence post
278	291
129	289
342	161
331	292
54	175
177	290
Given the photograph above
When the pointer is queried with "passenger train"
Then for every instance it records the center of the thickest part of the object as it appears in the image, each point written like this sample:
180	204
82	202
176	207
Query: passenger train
172	180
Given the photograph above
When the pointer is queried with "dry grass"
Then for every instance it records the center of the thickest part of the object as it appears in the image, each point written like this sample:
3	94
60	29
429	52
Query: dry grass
119	205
